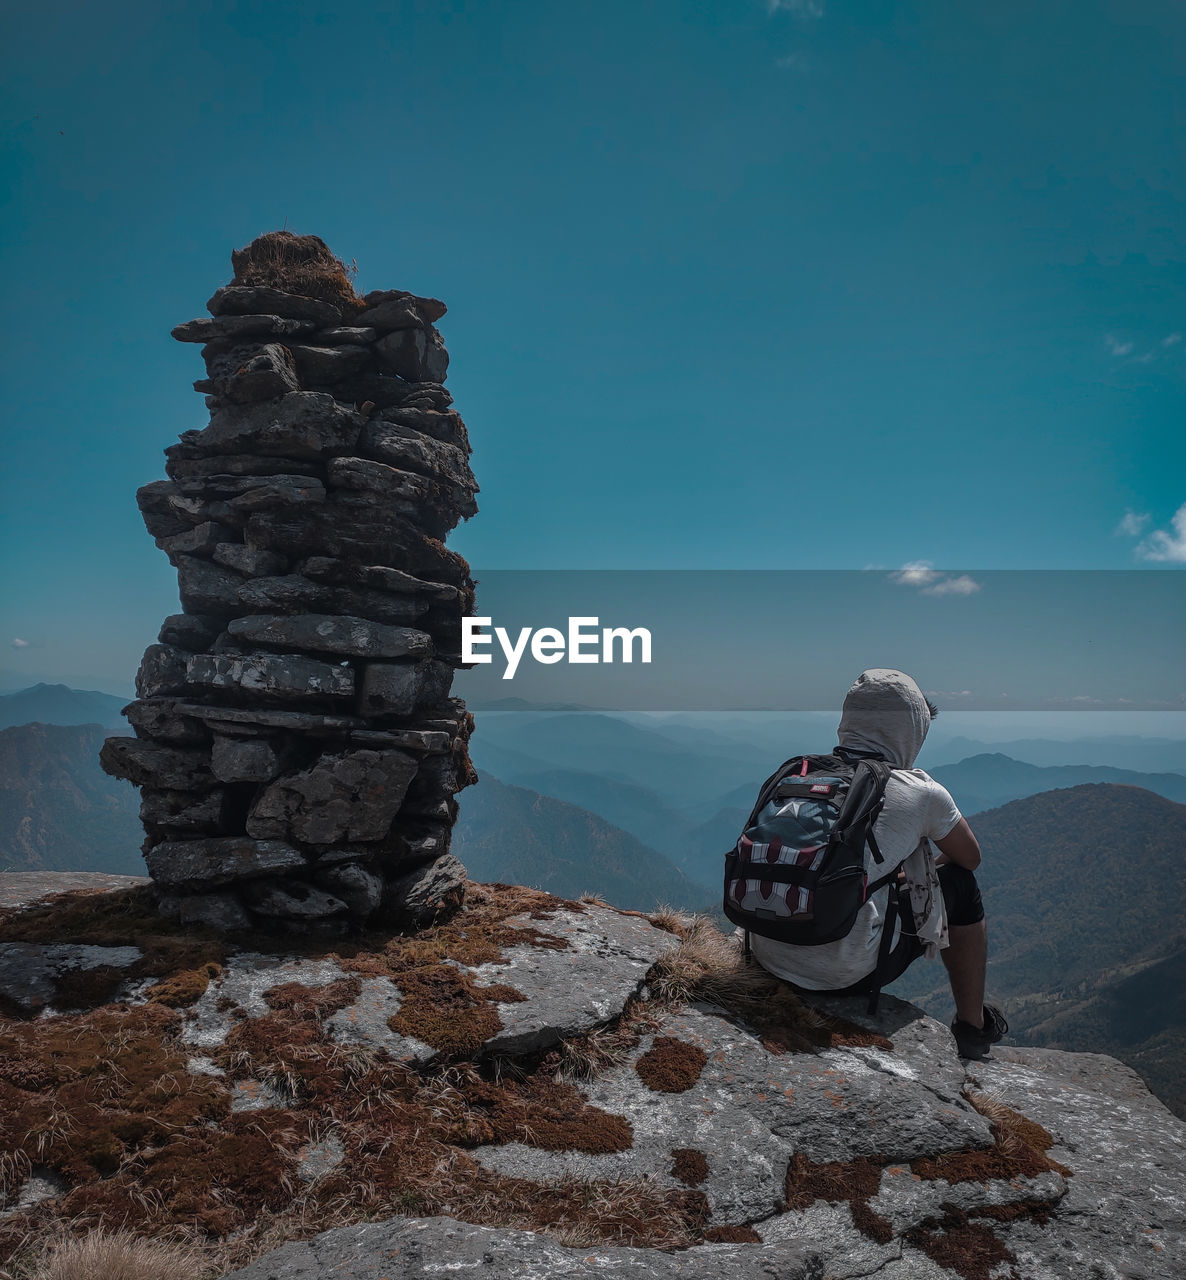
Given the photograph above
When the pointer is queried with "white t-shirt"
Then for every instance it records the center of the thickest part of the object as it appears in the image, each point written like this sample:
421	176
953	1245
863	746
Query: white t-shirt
916	808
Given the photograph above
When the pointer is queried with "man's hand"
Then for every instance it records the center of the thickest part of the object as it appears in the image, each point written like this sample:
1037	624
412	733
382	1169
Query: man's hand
960	846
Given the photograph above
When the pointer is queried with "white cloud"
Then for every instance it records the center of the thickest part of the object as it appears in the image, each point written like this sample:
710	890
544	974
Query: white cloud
1171	340
1167	545
1117	347
918	573
961	585
915	574
18	643
1133	524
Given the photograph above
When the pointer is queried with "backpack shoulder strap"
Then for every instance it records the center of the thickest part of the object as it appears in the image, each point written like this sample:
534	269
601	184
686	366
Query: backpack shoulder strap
863	804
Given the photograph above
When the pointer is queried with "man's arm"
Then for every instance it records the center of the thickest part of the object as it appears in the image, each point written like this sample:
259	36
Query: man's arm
960	846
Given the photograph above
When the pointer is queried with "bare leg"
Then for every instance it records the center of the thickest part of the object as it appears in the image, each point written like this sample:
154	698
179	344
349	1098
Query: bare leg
966	958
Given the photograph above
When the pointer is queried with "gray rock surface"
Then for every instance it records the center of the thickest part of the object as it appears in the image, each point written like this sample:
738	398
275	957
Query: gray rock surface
364	1021
274	675
570	991
219	861
419	1248
752	1109
327	633
1127	1200
238	299
419	896
253	759
245	979
29	971
292	900
24	888
351	796
235	328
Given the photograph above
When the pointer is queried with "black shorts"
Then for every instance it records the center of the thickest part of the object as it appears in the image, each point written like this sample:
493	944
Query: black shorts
961	897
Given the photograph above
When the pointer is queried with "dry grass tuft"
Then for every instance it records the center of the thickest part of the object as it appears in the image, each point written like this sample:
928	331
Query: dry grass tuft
118	1255
672	920
303	265
1020	1150
709	965
586	1056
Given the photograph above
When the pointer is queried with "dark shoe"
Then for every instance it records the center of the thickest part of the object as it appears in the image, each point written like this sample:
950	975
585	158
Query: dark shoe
975	1042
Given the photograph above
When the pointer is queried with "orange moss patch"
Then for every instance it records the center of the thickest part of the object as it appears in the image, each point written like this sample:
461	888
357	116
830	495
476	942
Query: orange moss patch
85	1093
444	1007
184	988
689	1166
968	1248
546	1114
732	1235
313	1002
852	1182
671	1065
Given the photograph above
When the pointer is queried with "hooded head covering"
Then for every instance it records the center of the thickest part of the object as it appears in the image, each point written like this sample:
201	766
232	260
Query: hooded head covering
885	712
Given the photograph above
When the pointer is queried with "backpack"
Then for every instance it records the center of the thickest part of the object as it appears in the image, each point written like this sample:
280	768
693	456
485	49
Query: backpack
797	872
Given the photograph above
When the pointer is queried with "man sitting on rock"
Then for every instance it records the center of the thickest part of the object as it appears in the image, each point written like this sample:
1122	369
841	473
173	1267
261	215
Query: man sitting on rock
886	715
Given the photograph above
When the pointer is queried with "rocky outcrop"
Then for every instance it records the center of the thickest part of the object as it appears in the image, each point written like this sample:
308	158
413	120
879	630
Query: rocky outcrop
296	746
546	1087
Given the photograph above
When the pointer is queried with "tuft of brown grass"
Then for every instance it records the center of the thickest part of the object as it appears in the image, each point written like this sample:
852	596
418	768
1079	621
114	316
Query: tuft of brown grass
598	1050
115	1255
672	920
1020	1150
709	965
303	265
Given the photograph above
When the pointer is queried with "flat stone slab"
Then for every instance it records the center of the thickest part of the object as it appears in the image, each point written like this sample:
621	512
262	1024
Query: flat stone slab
572	991
752	1109
566	992
23	888
29	971
419	1248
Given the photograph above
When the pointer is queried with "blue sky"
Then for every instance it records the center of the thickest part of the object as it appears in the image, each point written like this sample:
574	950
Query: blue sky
731	285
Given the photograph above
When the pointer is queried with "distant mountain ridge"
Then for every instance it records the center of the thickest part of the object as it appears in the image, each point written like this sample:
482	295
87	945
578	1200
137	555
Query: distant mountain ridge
59	704
58	810
992	779
513	835
1085	900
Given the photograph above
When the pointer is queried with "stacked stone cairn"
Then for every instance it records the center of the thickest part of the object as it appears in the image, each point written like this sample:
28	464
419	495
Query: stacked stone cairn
296	746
